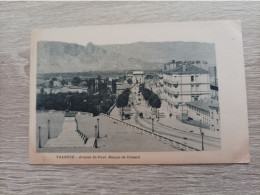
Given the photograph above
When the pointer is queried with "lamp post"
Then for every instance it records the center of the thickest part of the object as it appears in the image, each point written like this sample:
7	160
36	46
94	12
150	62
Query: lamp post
96	131
202	137
185	143
49	136
152	125
40	137
98	128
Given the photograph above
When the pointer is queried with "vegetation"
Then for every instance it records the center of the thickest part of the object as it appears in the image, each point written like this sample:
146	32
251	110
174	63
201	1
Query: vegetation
130	81
122	101
153	99
76	81
79	102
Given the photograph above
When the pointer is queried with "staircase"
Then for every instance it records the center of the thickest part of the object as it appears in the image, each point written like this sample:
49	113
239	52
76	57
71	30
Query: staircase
69	137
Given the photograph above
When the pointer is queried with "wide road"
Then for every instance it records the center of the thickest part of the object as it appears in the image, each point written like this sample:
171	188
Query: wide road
177	131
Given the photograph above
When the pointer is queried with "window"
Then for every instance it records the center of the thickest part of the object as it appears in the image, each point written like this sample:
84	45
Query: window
196	98
192	78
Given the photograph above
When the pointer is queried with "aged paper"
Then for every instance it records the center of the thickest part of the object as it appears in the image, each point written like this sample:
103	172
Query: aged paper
159	93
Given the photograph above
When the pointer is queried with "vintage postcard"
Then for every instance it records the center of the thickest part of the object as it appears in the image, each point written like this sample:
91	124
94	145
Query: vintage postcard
158	93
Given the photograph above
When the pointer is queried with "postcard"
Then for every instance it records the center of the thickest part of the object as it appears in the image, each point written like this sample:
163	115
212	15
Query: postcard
153	93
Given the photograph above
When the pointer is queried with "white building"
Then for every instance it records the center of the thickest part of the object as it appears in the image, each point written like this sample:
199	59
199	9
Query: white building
120	87
65	89
138	76
206	112
184	83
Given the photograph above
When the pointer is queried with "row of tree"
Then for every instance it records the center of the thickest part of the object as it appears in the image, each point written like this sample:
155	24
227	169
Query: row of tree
79	102
122	101
153	99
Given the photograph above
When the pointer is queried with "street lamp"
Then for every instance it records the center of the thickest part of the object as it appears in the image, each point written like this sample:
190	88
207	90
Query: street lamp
98	128
96	131
202	136
49	136
40	137
152	125
184	142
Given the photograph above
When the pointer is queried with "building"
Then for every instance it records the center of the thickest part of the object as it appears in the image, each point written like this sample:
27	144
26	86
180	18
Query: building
65	89
120	87
214	92
138	76
184	83
205	112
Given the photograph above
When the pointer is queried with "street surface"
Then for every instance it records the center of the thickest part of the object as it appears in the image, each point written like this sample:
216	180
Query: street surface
170	127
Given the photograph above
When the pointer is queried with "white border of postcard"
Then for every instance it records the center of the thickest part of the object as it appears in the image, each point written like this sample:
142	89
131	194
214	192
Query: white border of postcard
227	37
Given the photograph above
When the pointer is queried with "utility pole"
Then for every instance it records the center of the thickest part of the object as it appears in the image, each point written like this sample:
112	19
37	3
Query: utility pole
96	131
49	136
152	125
40	137
98	128
202	136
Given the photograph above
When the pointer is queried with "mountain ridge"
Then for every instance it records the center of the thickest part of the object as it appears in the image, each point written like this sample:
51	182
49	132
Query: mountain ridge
53	56
70	57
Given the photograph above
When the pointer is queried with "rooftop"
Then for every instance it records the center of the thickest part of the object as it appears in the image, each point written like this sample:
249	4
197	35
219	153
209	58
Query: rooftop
187	69
204	104
138	72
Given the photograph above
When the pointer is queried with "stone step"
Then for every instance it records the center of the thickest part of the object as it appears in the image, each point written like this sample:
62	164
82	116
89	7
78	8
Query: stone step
68	137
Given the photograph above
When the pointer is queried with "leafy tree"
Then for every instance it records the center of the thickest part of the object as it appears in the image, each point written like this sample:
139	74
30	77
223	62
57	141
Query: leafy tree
155	101
148	76
130	81
114	86
64	82
146	93
51	83
122	101
75	81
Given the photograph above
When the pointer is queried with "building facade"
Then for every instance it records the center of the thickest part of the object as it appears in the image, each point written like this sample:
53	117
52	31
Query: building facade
205	112
138	76
184	83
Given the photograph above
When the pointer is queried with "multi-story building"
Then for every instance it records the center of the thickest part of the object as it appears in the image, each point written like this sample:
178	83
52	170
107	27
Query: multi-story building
205	112
184	83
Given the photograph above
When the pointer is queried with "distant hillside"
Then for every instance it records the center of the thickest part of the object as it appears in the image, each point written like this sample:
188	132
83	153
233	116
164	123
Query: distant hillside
162	52
56	57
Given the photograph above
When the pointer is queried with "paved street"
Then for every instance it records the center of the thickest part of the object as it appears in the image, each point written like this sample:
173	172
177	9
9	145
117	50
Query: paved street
166	126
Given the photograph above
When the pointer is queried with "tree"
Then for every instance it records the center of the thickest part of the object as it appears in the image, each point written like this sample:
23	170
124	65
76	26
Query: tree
155	101
114	86
148	76
122	101
64	82
51	83
75	81
146	93
129	81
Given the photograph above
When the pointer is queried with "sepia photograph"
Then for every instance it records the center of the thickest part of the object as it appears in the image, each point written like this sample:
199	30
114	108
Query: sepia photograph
108	90
136	97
